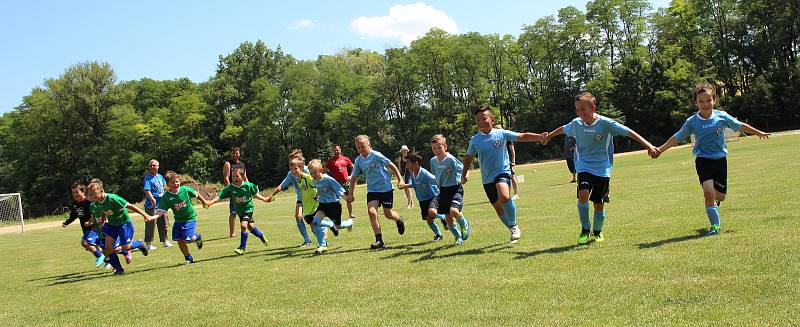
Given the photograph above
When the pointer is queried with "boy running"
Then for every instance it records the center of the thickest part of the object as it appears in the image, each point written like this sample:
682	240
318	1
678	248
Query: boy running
708	126
291	179
81	209
241	193
427	192
594	153
490	146
179	199
447	170
329	191
374	166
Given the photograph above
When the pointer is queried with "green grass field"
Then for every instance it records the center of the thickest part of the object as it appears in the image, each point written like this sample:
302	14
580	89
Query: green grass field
655	267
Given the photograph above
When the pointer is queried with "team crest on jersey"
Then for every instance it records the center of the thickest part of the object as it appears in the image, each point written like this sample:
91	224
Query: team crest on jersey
598	137
497	144
108	212
719	131
179	206
373	164
449	171
242	199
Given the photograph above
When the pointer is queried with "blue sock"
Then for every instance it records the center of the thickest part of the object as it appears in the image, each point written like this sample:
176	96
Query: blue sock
113	259
316	227
189	258
599	219
197	237
257	232
583	214
347	223
440	216
456	232
123	252
435	228
97	253
462	221
510	210
136	244
301	226
243	244
713	215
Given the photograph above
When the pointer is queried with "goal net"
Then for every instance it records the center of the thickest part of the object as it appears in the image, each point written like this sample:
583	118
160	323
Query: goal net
11	211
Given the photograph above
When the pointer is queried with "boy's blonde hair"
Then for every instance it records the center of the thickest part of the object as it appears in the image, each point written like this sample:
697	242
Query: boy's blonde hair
362	138
96	182
295	154
704	88
237	170
297	162
588	97
315	164
171	175
439	139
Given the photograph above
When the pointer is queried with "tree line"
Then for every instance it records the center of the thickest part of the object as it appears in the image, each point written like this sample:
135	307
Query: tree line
641	64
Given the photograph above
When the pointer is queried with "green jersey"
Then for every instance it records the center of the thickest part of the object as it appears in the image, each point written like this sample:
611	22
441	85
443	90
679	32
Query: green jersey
242	196
113	207
308	193
180	203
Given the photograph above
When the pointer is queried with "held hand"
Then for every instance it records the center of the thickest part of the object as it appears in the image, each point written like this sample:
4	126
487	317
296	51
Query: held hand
349	198
268	199
545	138
465	178
63	224
653	152
763	136
401	185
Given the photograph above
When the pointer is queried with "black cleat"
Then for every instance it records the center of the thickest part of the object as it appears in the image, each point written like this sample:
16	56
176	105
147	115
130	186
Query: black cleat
377	245
334	230
401	227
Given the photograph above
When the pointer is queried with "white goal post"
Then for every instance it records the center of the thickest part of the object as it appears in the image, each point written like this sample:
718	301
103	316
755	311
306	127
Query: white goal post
11	210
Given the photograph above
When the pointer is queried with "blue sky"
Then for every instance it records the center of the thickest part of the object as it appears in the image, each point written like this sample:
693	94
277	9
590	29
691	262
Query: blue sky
172	39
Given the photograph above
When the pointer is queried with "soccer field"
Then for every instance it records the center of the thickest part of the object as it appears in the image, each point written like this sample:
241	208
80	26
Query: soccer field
655	267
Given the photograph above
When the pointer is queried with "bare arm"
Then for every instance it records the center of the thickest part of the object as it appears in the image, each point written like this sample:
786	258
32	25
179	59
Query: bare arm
752	130
651	150
467	162
260	197
396	172
529	137
140	212
226	173
274	192
513	154
549	136
149	195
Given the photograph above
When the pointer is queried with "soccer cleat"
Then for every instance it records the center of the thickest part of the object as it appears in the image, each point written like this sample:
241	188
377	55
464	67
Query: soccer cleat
465	231
437	238
321	249
263	240
188	262
334	230
401	226
150	246
515	234
305	244
239	251
108	266
713	230
458	242
128	257
167	244
598	236
145	250
119	272
99	261
583	238
377	245
199	243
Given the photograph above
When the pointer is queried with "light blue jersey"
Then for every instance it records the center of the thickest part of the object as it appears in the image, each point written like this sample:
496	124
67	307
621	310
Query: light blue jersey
424	184
594	144
374	168
328	189
155	184
709	133
291	180
447	171
492	152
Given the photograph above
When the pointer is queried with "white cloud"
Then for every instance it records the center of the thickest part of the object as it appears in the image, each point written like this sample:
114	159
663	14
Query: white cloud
404	22
303	23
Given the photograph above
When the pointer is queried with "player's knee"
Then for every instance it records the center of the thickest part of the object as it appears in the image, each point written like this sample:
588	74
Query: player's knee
387	212
454	212
583	196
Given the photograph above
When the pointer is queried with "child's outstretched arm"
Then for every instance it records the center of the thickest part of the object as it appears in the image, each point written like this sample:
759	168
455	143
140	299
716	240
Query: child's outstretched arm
140	212
651	150
261	197
668	144
531	137
211	202
549	136
752	130
393	168
467	162
274	192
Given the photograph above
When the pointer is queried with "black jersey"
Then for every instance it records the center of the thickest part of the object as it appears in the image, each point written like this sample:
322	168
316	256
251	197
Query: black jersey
82	212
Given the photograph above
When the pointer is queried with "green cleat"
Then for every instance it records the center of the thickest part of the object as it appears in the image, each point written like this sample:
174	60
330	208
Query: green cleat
239	251
713	230
598	236
584	237
264	240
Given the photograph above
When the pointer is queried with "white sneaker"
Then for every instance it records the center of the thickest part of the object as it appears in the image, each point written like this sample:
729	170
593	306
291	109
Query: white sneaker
515	234
150	246
167	244
515	197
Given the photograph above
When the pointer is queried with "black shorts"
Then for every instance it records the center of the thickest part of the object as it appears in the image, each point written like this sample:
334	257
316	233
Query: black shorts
571	165
713	169
451	197
309	219
512	170
385	199
491	189
332	210
248	217
598	186
424	206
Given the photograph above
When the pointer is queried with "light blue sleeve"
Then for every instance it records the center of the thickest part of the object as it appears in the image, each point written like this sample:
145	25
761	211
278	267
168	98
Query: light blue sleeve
686	130
432	165
730	121
148	184
617	128
510	135
430	178
286	182
384	161
457	165
356	168
471	150
569	129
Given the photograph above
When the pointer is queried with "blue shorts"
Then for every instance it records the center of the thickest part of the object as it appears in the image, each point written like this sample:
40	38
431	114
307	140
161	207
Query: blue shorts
183	230
90	237
231	207
101	242
123	233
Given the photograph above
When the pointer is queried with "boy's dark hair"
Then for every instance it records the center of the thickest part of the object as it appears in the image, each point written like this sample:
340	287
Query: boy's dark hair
235	148
170	175
586	96
296	154
704	88
482	109
96	182
414	157
79	185
237	170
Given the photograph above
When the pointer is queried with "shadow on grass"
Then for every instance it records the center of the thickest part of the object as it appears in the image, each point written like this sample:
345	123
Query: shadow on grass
555	250
699	233
431	253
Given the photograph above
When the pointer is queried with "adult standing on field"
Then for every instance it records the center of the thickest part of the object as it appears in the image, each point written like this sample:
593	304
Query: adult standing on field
340	167
154	185
569	155
227	168
401	163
